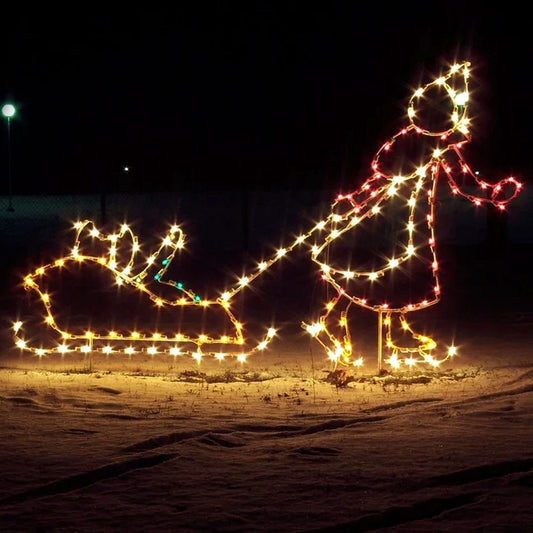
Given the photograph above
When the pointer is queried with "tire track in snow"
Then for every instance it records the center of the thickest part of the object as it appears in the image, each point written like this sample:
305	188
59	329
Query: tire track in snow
85	479
275	431
480	473
396	516
278	431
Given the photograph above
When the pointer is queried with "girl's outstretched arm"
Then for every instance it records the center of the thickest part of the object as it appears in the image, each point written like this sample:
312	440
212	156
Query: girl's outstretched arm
465	182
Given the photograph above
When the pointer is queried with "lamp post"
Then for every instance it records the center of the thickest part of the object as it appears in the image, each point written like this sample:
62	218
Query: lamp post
9	110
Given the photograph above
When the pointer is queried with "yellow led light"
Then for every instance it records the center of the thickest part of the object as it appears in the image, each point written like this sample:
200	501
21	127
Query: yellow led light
419	190
350	213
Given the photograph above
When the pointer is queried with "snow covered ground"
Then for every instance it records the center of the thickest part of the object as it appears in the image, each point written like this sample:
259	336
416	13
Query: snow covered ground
279	443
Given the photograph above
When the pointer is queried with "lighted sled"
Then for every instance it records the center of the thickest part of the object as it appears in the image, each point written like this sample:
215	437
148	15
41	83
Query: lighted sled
99	301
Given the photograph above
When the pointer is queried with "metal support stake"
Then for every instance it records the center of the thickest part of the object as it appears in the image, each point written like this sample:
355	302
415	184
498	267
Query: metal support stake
380	340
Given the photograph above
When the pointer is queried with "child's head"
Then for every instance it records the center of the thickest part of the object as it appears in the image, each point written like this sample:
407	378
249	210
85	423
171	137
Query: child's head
439	109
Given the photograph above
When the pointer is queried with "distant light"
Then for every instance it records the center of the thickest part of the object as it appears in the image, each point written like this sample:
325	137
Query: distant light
8	110
126	169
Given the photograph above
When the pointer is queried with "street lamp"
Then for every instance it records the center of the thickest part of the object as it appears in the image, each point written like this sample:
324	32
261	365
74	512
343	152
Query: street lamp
9	110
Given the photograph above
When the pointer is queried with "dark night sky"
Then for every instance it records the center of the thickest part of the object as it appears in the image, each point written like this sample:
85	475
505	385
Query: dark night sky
265	93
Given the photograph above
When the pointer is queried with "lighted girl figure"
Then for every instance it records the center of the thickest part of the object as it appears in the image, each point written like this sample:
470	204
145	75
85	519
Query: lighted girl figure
380	251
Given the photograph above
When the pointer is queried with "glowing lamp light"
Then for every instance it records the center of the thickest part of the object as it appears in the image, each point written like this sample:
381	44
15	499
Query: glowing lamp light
9	111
